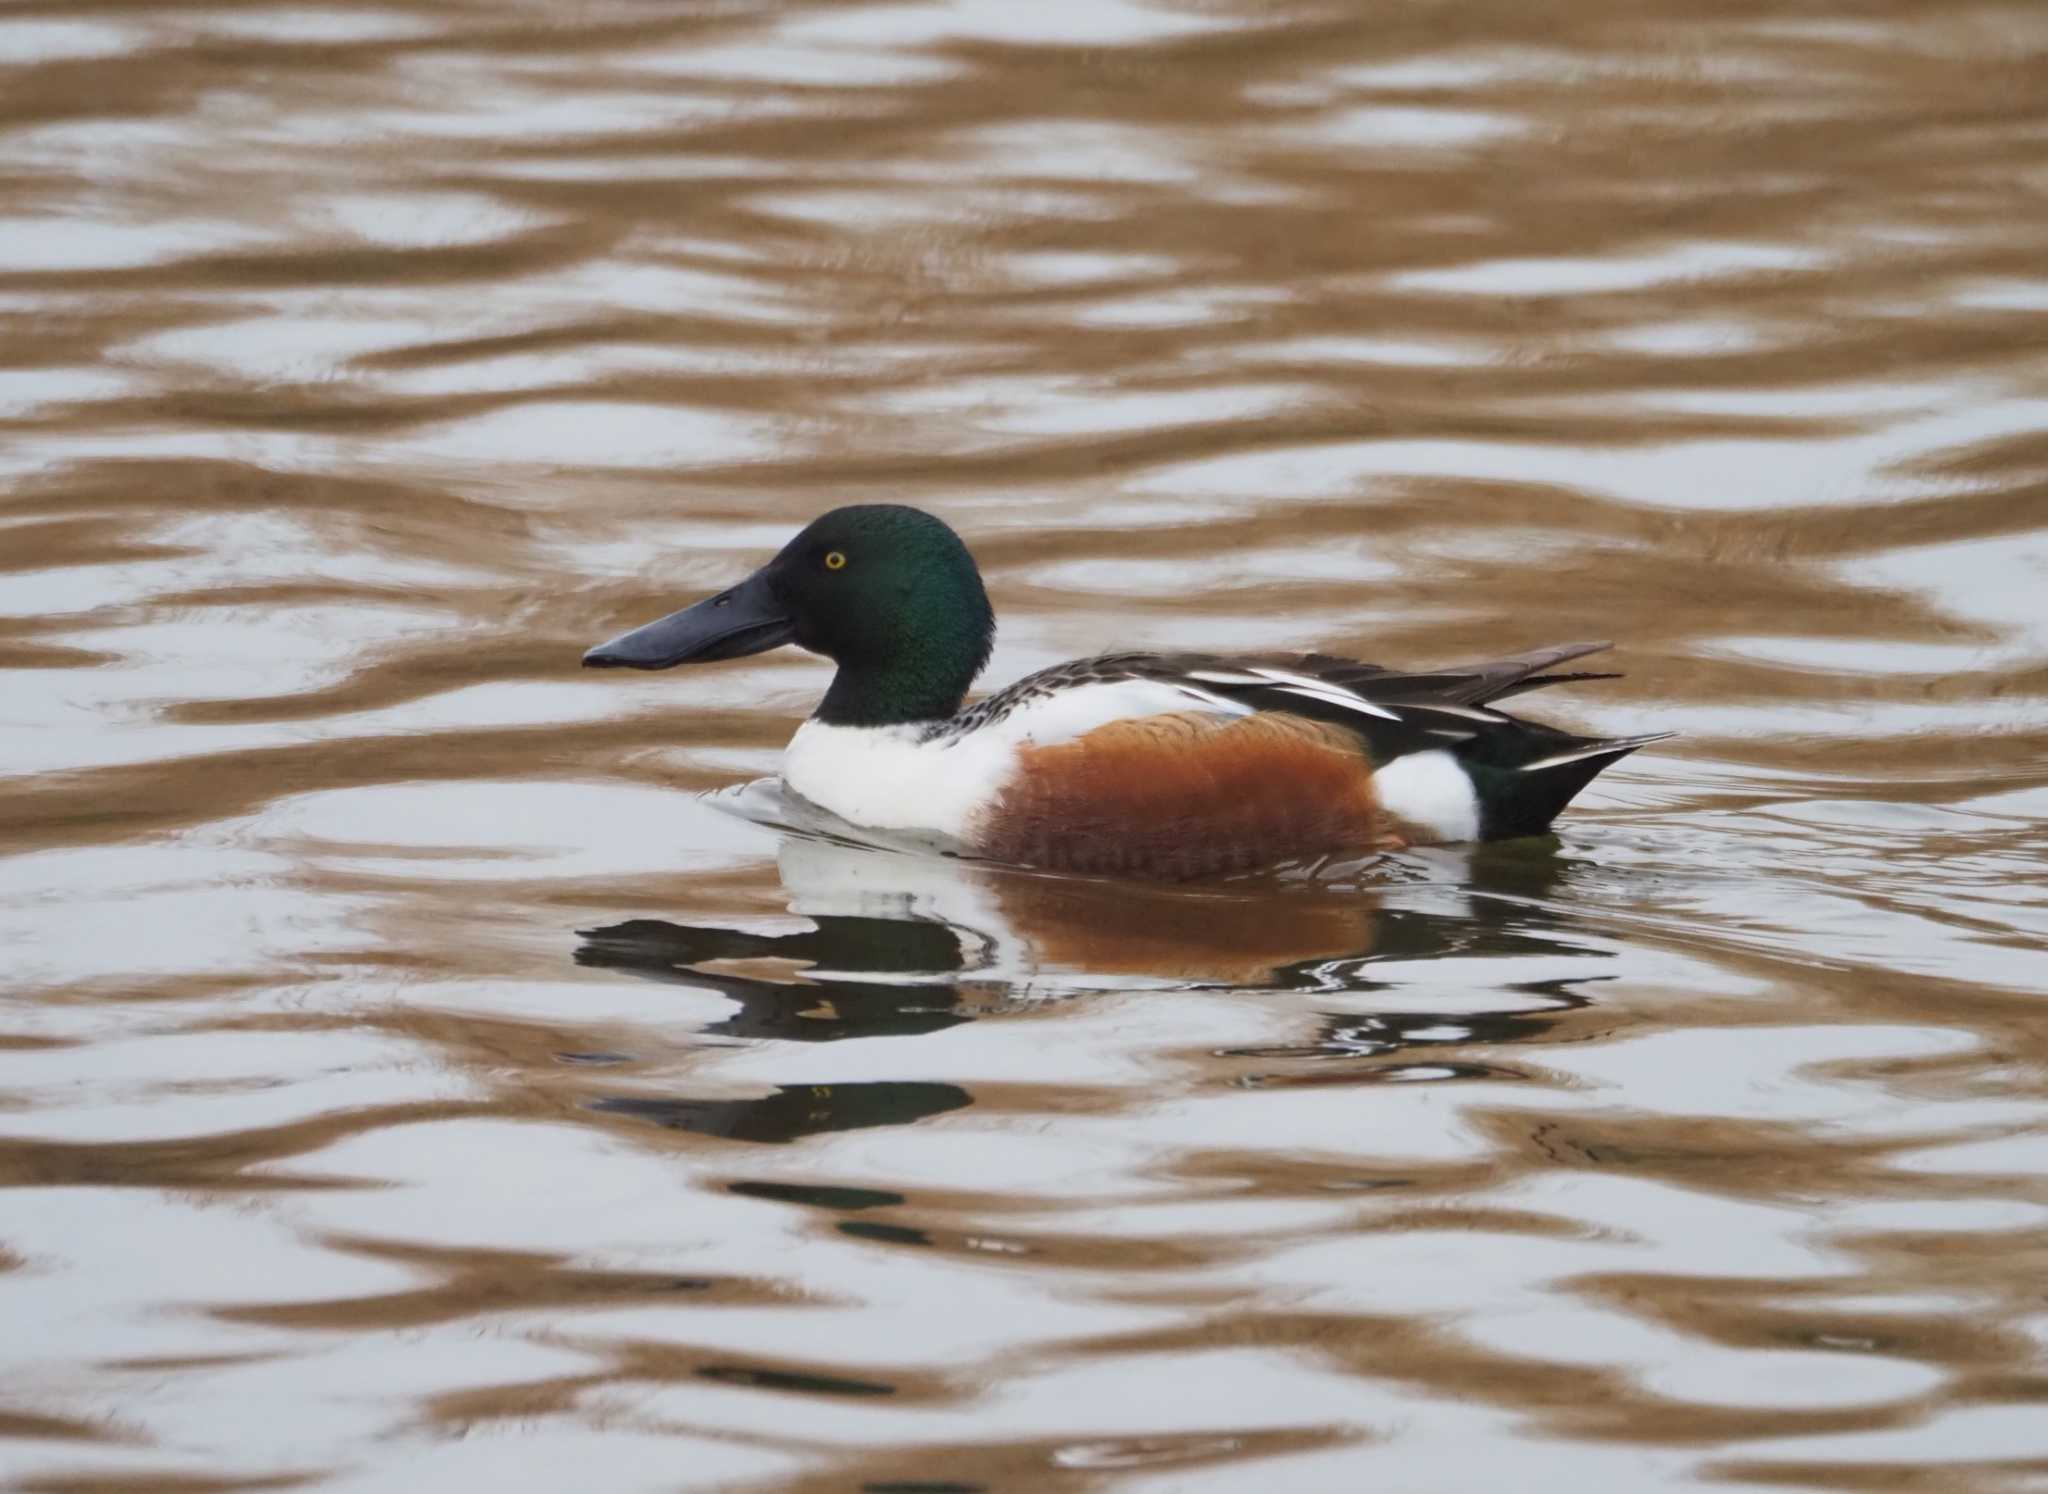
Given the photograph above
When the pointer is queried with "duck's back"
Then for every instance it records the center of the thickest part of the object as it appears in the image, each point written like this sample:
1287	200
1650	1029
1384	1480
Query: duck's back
1177	766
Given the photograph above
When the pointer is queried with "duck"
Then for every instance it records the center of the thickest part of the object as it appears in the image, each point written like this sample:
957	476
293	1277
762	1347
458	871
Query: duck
1164	766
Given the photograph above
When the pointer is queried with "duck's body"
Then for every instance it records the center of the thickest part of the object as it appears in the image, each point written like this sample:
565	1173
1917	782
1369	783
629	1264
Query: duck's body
1170	766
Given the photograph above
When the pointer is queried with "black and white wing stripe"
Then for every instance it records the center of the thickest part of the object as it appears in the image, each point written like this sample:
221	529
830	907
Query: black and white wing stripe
1395	711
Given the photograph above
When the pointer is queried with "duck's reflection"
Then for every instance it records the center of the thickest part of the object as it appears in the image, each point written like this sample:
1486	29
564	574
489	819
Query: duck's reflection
901	945
845	977
1408	1045
795	1109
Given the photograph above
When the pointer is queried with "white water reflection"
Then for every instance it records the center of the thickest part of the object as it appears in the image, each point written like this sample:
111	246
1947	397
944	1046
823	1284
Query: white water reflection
1578	277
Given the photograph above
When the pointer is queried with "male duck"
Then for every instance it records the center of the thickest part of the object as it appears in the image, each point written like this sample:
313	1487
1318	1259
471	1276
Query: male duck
1170	766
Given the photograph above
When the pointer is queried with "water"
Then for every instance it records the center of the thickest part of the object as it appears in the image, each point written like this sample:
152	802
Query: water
407	1081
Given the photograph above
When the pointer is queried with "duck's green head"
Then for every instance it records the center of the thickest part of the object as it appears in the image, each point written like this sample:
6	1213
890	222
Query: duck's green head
888	593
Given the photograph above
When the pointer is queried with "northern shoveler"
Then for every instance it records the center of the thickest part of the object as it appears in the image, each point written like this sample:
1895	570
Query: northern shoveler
1162	765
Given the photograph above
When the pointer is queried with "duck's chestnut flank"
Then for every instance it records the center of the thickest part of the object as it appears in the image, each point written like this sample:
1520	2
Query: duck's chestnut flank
1160	765
1186	795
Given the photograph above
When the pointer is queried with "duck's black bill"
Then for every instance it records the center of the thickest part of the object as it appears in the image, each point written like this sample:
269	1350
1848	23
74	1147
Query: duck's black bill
746	620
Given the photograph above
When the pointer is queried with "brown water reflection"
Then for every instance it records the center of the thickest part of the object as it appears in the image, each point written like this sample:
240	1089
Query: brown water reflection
406	1082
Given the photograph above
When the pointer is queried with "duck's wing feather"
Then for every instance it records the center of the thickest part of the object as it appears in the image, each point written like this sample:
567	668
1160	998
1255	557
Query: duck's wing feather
1396	711
1441	759
1460	684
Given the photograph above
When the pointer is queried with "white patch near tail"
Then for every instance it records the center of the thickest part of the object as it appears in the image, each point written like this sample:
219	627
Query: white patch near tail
1429	791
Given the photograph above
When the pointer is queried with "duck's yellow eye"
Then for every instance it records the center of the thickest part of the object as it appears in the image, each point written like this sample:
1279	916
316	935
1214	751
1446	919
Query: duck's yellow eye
835	560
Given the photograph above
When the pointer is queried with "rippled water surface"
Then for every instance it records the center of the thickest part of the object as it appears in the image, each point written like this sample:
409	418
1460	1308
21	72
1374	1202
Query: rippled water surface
408	1080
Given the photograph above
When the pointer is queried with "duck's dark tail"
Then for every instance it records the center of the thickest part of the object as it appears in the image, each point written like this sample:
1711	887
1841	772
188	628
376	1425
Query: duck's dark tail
1524	777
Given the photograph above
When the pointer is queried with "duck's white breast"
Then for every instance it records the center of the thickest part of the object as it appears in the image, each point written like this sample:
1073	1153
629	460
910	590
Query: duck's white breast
886	778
